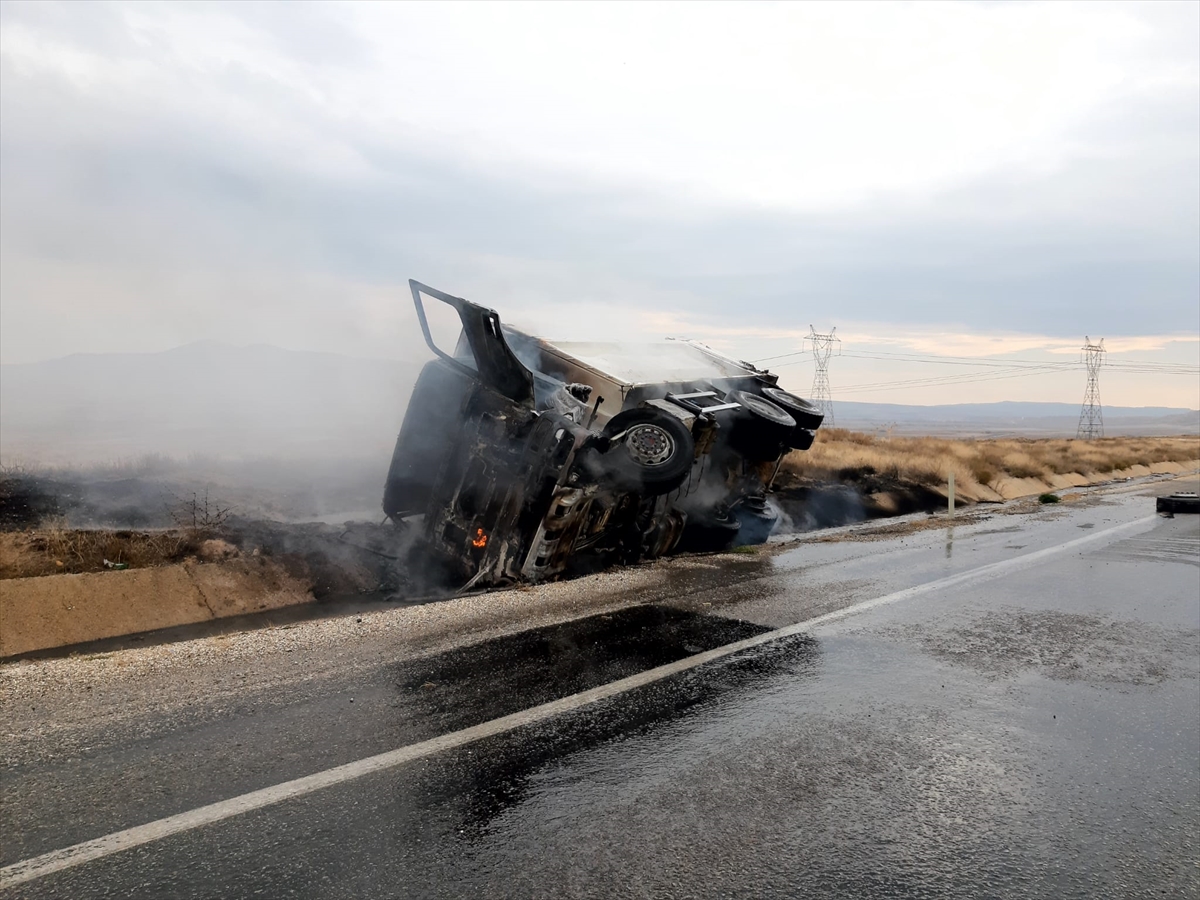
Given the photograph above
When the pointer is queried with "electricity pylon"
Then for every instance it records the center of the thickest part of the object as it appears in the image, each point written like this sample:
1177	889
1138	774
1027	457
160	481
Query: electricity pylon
1091	415
822	394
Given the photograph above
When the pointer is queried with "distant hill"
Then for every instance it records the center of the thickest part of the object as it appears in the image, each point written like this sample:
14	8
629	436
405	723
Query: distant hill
206	398
1012	418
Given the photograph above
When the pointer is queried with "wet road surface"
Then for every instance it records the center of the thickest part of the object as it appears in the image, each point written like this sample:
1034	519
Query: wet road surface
1008	725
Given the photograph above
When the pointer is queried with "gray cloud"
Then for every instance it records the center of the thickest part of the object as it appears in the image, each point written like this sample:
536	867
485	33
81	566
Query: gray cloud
161	221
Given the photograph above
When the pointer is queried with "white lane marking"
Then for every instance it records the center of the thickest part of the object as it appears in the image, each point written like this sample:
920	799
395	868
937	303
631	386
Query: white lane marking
87	851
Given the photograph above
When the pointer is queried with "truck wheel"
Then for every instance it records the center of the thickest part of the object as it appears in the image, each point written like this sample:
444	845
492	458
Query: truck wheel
655	454
760	428
805	414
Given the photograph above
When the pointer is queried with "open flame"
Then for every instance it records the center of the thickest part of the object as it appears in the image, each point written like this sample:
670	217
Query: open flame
480	539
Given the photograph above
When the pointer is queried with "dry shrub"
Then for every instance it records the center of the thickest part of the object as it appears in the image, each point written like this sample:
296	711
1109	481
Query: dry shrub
840	454
1020	464
963	450
982	472
1059	460
59	550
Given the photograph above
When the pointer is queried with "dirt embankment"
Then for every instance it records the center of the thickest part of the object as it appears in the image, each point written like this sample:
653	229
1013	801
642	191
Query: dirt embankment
896	475
61	586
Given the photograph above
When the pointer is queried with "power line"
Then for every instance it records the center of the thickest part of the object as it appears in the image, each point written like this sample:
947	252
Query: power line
999	363
1132	365
943	380
979	369
781	356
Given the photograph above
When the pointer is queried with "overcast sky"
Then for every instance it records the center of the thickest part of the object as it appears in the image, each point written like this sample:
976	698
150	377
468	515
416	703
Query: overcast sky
965	178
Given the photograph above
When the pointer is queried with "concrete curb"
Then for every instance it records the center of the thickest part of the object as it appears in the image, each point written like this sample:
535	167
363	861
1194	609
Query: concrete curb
59	610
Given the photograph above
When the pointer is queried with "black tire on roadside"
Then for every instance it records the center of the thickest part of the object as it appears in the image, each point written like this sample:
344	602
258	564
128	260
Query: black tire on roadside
655	455
1181	502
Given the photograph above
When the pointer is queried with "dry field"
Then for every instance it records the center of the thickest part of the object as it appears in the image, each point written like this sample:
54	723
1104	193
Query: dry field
990	469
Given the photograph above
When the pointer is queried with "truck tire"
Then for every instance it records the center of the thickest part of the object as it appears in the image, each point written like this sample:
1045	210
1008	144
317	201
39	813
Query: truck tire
655	454
1181	502
805	414
760	428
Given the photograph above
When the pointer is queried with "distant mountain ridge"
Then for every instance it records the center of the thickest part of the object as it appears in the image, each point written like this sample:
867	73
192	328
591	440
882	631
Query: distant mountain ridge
1005	408
1035	419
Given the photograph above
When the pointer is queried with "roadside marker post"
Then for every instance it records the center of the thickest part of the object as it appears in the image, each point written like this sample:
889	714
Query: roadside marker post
951	492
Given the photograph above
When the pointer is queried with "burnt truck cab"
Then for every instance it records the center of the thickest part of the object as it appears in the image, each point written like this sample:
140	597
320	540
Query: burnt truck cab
520	459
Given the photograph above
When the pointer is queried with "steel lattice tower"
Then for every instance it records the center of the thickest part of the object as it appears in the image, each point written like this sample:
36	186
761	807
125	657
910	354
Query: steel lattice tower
822	394
1091	415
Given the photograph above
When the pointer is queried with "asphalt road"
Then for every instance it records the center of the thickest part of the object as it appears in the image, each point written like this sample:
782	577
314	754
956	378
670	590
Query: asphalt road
1008	706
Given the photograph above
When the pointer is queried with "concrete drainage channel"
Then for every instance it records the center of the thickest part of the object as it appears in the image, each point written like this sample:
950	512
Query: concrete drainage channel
63	610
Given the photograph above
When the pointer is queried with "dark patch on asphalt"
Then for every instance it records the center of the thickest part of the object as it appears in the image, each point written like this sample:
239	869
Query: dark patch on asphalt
515	672
421	819
1065	646
477	787
154	766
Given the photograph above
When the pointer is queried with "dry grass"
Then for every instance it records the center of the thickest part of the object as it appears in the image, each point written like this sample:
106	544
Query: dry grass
840	454
54	549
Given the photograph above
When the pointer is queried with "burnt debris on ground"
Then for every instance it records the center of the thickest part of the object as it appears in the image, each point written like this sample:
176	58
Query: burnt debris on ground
339	561
80	522
73	522
807	504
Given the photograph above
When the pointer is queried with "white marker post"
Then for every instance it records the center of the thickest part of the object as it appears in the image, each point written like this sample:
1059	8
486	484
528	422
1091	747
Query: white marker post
951	493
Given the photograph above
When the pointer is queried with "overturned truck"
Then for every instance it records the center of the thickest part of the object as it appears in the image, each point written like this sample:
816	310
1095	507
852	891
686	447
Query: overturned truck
519	459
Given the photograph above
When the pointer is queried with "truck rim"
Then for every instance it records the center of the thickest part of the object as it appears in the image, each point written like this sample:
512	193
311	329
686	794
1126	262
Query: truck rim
649	445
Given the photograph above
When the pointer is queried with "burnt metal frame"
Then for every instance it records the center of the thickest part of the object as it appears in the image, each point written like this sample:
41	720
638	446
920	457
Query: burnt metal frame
496	365
688	402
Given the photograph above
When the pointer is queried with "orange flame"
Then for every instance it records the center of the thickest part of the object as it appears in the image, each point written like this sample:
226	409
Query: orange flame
480	538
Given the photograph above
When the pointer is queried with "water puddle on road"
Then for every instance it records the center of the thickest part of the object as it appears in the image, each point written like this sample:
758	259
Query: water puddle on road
507	674
461	794
472	684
